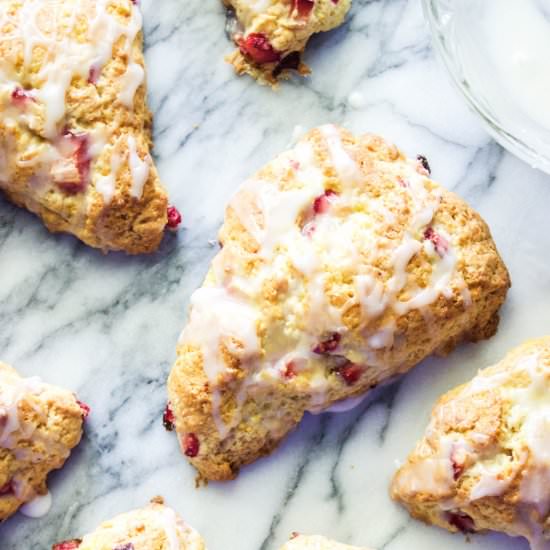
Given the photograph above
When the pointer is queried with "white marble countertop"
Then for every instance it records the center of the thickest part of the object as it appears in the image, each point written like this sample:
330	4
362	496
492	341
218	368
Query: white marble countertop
106	326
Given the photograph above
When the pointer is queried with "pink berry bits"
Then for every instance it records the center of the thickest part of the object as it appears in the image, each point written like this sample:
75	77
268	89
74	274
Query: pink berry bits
350	373
256	46
440	243
191	445
67	545
303	7
168	420
328	345
20	98
463	522
84	408
174	218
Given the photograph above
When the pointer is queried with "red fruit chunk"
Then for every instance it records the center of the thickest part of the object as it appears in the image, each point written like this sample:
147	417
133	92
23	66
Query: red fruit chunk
308	229
463	522
440	243
20	97
191	445
321	204
458	467
289	370
67	545
257	47
174	217
84	408
350	373
457	470
6	489
403	183
93	74
168	420
328	345
303	7
77	147
423	165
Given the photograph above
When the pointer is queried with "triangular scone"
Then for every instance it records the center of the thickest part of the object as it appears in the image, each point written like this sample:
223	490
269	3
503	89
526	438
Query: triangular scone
39	426
316	542
155	527
271	35
484	462
343	264
75	130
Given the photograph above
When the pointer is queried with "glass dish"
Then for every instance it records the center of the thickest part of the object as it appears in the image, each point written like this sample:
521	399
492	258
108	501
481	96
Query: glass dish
497	53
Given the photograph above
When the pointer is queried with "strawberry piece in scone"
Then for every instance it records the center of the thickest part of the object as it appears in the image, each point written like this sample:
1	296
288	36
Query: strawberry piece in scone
483	463
271	35
343	264
75	129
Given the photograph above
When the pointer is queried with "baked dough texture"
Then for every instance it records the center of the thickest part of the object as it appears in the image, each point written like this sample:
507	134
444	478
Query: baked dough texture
154	527
343	264
483	462
39	426
271	35
75	130
316	542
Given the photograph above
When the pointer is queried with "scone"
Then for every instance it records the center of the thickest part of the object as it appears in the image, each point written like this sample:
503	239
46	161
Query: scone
316	542
271	35
75	130
155	527
39	426
343	264
484	460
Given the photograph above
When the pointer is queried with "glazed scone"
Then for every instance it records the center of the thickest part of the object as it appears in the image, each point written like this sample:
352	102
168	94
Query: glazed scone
484	460
343	264
155	527
39	426
316	542
75	130
271	35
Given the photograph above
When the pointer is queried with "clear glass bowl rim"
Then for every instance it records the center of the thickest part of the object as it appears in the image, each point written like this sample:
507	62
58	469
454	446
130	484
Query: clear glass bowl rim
513	143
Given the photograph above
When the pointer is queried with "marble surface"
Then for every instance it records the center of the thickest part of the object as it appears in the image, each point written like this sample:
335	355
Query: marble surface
106	326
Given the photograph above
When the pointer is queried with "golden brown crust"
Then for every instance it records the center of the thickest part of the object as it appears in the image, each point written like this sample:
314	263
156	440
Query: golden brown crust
39	425
283	30
154	527
479	466
78	168
239	402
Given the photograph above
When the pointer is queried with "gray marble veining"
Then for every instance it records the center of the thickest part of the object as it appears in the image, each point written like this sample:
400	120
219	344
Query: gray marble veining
106	326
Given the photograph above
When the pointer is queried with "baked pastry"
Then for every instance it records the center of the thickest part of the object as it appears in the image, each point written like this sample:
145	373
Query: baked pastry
39	426
343	264
316	542
483	462
272	35
75	130
155	527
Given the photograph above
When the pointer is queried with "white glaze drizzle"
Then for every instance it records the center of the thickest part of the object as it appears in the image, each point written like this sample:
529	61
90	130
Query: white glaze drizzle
14	431
139	169
528	422
67	57
11	395
168	520
106	185
38	507
270	216
130	82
